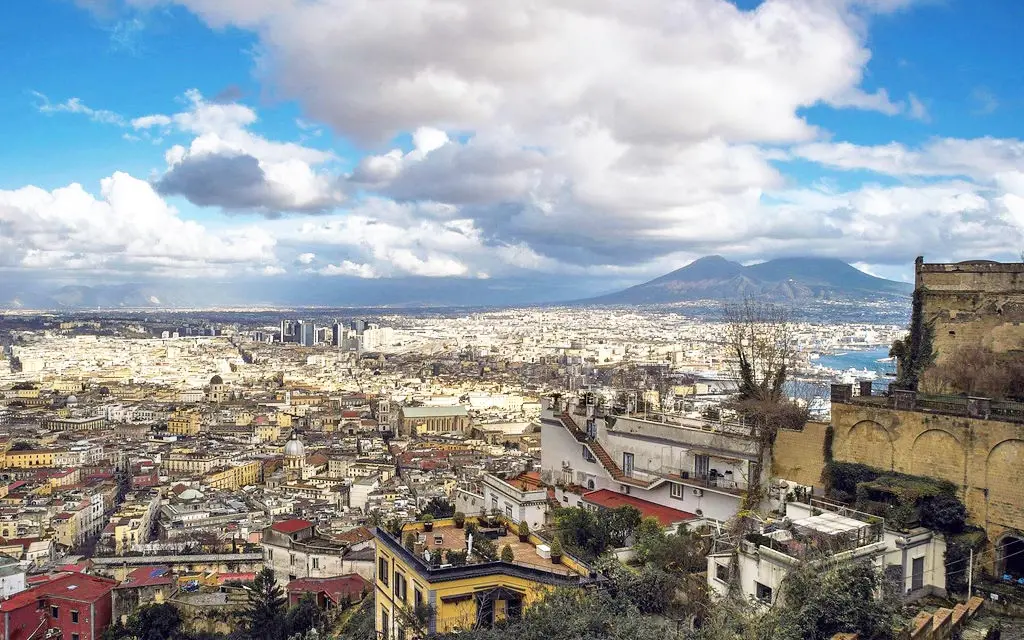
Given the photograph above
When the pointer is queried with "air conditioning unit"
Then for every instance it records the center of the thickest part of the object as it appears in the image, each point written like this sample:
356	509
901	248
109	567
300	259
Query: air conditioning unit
698	492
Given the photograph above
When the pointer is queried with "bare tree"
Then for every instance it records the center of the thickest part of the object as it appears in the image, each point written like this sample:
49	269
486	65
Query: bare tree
760	337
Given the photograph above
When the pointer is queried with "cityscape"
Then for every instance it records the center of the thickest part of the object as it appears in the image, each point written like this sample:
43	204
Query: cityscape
466	320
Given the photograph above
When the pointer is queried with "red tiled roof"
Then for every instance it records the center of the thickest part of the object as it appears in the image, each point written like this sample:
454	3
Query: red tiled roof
81	567
147	577
291	526
612	500
355	536
335	588
74	586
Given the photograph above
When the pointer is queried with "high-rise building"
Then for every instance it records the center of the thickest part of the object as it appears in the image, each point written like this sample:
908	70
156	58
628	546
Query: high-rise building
307	333
359	326
338	334
288	331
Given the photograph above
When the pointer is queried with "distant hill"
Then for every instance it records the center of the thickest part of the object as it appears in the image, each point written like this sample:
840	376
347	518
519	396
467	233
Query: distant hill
783	279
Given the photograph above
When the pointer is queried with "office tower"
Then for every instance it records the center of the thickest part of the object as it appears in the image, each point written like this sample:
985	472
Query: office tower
338	334
359	326
307	333
287	331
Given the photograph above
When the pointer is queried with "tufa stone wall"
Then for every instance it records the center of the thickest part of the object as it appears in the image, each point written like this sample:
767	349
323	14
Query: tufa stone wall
984	458
973	304
800	455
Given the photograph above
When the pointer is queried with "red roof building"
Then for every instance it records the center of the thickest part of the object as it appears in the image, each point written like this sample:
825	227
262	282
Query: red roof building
608	499
291	526
329	592
76	604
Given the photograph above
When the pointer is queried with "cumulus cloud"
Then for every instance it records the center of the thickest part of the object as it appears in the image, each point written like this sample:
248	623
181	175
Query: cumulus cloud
128	228
228	166
577	138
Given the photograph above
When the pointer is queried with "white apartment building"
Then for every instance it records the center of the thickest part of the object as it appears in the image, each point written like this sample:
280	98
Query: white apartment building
694	466
764	560
493	494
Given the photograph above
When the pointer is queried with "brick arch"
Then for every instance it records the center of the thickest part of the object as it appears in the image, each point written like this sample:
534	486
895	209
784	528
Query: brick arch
867	442
939	454
1004	477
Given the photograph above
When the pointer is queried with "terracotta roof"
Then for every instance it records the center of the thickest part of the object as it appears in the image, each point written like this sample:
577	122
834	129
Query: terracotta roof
612	500
291	526
355	536
335	588
147	577
73	586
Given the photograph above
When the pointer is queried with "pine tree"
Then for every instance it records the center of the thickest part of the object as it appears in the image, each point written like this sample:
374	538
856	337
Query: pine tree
265	607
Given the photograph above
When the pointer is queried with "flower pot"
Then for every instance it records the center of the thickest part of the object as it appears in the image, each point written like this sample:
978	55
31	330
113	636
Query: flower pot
525	538
428	526
459	525
556	559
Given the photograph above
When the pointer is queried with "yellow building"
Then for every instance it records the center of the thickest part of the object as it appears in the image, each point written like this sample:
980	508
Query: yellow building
185	423
28	458
235	477
268	432
478	594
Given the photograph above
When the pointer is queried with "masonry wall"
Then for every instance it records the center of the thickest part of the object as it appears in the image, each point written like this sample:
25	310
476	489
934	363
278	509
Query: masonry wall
800	455
984	458
973	304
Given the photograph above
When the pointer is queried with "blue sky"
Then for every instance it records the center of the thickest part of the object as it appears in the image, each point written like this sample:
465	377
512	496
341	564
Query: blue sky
322	141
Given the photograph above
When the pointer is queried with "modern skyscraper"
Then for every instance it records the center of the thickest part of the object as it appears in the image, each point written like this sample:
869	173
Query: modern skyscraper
288	331
338	333
307	333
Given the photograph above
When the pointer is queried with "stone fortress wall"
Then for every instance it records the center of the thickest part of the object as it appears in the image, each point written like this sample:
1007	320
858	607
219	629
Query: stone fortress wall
976	303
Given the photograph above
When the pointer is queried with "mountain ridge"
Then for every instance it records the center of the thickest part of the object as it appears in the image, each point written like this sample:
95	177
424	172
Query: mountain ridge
782	279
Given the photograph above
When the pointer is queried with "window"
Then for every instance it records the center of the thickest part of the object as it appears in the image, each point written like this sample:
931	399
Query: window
270	555
400	586
74	616
316	562
74	636
508	510
494	504
384	625
589	457
677	490
291	559
701	464
417	597
382	570
762	592
721	572
54	612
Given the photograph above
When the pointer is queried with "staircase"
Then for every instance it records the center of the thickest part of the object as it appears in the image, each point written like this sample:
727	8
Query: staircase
602	456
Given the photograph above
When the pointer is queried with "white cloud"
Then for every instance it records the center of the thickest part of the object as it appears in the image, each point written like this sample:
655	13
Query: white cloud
306	258
127	229
349	268
228	166
75	105
917	110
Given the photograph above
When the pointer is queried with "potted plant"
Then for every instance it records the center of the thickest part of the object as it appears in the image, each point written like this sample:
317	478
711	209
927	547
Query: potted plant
460	519
523	530
556	551
428	522
410	541
507	555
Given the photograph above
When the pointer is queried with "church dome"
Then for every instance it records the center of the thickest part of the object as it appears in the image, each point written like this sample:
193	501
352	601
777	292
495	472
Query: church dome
294	448
72	400
216	379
